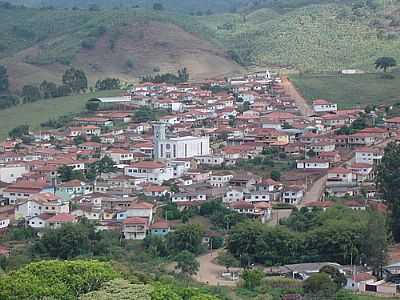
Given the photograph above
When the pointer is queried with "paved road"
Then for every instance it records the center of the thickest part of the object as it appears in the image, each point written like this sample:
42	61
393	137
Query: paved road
301	103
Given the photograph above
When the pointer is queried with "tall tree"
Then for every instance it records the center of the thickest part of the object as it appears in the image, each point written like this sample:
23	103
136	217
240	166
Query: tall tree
374	244
48	89
30	93
388	181
385	63
186	237
75	79
3	79
187	263
19	131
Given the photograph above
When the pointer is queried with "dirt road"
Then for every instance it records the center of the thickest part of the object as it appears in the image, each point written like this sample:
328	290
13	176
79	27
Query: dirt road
315	192
301	103
210	273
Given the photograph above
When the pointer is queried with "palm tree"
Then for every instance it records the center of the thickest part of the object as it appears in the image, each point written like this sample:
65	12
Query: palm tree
384	63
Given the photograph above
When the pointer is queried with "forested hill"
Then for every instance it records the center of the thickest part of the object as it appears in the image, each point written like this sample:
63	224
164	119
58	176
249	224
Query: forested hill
185	6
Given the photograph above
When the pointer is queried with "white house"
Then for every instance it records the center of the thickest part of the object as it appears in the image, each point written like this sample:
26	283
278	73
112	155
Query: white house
233	195
43	203
321	106
152	171
313	164
339	176
120	156
293	194
9	173
366	155
135	228
220	179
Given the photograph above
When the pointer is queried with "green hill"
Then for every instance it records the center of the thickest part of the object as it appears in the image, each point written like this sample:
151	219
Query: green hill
309	35
312	38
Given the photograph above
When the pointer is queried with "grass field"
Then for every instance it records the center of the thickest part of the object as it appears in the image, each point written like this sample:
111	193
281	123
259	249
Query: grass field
35	113
349	90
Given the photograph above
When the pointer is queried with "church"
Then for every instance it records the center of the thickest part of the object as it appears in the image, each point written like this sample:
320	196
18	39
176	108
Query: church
178	147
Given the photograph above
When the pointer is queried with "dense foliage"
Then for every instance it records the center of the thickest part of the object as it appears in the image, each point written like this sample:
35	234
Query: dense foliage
72	240
334	235
55	280
389	184
183	76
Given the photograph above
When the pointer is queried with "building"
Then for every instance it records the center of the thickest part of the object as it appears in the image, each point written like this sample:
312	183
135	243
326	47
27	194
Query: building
293	194
322	106
151	171
160	228
178	147
9	173
134	228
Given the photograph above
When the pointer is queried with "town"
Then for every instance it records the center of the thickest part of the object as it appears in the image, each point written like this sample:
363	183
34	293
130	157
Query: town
160	156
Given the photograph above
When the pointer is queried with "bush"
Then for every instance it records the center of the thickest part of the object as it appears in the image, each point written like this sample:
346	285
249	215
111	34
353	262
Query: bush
55	279
89	43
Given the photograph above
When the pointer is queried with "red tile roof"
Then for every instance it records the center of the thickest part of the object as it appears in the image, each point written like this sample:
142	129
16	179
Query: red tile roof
62	218
135	220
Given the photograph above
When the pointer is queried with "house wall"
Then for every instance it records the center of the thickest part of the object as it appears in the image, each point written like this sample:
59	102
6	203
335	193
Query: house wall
10	174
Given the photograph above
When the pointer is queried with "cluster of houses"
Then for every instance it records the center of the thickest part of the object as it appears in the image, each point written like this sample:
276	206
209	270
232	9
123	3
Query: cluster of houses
188	156
204	130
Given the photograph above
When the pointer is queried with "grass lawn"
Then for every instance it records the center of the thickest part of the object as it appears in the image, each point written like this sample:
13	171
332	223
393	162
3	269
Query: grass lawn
35	113
349	90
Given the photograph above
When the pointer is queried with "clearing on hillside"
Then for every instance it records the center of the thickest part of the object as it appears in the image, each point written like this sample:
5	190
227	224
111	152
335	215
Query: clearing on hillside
349	90
33	114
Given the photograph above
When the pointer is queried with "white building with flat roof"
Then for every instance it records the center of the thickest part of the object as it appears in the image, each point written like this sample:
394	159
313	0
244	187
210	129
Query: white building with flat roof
178	147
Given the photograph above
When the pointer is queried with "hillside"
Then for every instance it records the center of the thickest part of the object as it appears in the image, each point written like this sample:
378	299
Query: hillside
313	38
33	114
39	44
308	36
349	90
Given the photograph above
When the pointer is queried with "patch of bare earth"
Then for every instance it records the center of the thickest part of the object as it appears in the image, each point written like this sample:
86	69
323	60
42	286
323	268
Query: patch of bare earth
147	45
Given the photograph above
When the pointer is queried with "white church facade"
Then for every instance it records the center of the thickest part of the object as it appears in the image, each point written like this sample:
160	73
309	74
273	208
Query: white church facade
178	147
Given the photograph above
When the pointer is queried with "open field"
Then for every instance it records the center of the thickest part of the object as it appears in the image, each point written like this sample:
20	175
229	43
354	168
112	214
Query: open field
35	113
349	90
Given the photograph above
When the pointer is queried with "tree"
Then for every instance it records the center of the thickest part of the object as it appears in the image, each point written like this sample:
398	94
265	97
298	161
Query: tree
120	289
19	131
319	285
144	114
228	261
183	75
158	6
54	279
186	237
385	63
75	79
63	90
275	175
3	79
104	165
108	84
48	89
388	181
30	93
187	263
338	278
79	140
375	243
67	173
92	105
252	278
